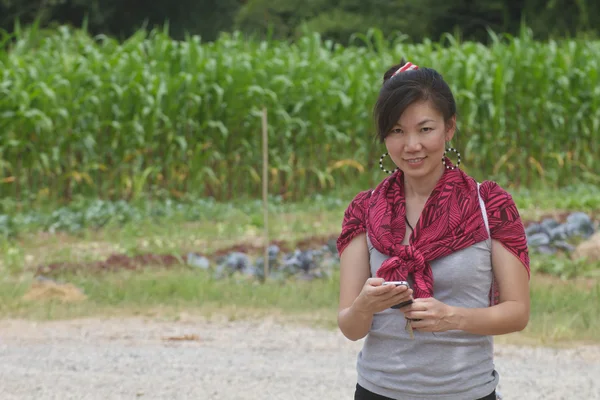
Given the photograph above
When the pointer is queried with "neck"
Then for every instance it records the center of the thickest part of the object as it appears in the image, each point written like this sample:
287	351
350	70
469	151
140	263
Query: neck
421	188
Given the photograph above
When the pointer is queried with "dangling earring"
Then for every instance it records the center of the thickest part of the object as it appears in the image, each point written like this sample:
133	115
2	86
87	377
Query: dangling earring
444	158
381	165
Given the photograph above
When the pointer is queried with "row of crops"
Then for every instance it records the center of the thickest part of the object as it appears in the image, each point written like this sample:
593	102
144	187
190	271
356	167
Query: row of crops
90	116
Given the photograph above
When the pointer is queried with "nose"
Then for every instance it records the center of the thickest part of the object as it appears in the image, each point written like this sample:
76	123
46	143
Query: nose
412	143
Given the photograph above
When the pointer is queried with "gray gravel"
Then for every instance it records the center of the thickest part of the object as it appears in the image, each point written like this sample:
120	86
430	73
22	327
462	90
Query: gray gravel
131	359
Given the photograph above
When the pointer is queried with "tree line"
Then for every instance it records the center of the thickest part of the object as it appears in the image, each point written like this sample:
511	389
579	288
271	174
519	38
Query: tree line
336	20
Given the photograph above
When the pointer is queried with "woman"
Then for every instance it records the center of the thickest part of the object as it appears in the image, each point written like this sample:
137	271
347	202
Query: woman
460	244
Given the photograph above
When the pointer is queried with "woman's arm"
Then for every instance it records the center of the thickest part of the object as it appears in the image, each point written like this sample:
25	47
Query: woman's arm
354	272
512	312
510	315
360	296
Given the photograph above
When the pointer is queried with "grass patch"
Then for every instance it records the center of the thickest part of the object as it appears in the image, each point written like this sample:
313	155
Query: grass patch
172	291
560	265
562	311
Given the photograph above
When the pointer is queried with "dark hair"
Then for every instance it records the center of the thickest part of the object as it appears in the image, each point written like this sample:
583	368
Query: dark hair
399	92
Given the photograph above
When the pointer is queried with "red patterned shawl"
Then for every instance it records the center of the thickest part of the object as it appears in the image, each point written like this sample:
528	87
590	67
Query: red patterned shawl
450	221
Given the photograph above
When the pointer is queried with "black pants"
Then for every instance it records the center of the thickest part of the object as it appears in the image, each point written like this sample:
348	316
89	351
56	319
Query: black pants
364	394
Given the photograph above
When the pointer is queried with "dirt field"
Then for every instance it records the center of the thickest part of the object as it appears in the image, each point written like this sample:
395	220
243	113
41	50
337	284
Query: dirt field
198	359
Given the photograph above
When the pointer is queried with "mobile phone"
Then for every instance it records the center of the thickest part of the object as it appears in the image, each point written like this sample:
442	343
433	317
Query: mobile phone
396	283
399	283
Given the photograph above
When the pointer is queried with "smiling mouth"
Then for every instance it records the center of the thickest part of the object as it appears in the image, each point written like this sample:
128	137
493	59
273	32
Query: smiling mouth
414	160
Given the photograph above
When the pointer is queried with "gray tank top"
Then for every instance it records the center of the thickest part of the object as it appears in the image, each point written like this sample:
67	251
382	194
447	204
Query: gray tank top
452	365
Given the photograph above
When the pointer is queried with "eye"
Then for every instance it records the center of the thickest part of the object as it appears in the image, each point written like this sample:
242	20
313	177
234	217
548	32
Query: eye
396	130
426	129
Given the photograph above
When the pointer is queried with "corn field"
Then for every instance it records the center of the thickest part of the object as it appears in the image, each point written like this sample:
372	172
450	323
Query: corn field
89	116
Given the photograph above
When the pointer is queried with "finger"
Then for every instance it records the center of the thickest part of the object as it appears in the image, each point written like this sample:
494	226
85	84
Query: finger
424	301
417	306
390	298
400	300
422	325
408	307
402	290
404	294
384	290
396	302
395	293
375	281
385	298
417	315
400	294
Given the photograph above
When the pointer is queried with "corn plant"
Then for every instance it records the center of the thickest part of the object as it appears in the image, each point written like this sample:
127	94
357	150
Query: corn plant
89	116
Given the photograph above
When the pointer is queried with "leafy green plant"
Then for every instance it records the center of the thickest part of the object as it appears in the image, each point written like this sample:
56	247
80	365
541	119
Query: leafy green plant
154	116
563	267
322	211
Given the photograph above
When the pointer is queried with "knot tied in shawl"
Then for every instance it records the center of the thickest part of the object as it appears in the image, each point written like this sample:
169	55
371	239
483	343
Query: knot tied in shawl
409	260
451	220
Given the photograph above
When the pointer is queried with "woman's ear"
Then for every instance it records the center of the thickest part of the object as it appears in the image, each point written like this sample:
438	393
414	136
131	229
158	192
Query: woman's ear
450	128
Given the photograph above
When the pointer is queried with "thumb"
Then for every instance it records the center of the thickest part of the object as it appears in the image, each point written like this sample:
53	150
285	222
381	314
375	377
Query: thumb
375	281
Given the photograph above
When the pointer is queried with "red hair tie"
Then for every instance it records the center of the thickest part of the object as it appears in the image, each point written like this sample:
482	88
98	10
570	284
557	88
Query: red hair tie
406	67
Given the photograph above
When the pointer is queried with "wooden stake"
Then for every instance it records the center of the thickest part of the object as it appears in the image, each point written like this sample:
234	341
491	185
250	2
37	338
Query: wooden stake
265	138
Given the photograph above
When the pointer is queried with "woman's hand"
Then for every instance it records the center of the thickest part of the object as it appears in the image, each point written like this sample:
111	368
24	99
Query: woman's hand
375	297
432	315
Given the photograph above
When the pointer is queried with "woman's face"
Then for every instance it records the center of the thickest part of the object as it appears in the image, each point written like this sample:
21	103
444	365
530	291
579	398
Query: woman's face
417	142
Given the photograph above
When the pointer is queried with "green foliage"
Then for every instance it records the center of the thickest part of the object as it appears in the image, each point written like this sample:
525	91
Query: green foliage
562	17
95	214
417	20
579	198
47	12
85	215
336	20
315	215
278	18
155	116
564	267
117	18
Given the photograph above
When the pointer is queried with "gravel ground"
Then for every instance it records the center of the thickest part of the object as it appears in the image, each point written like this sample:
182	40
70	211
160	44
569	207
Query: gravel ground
141	359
